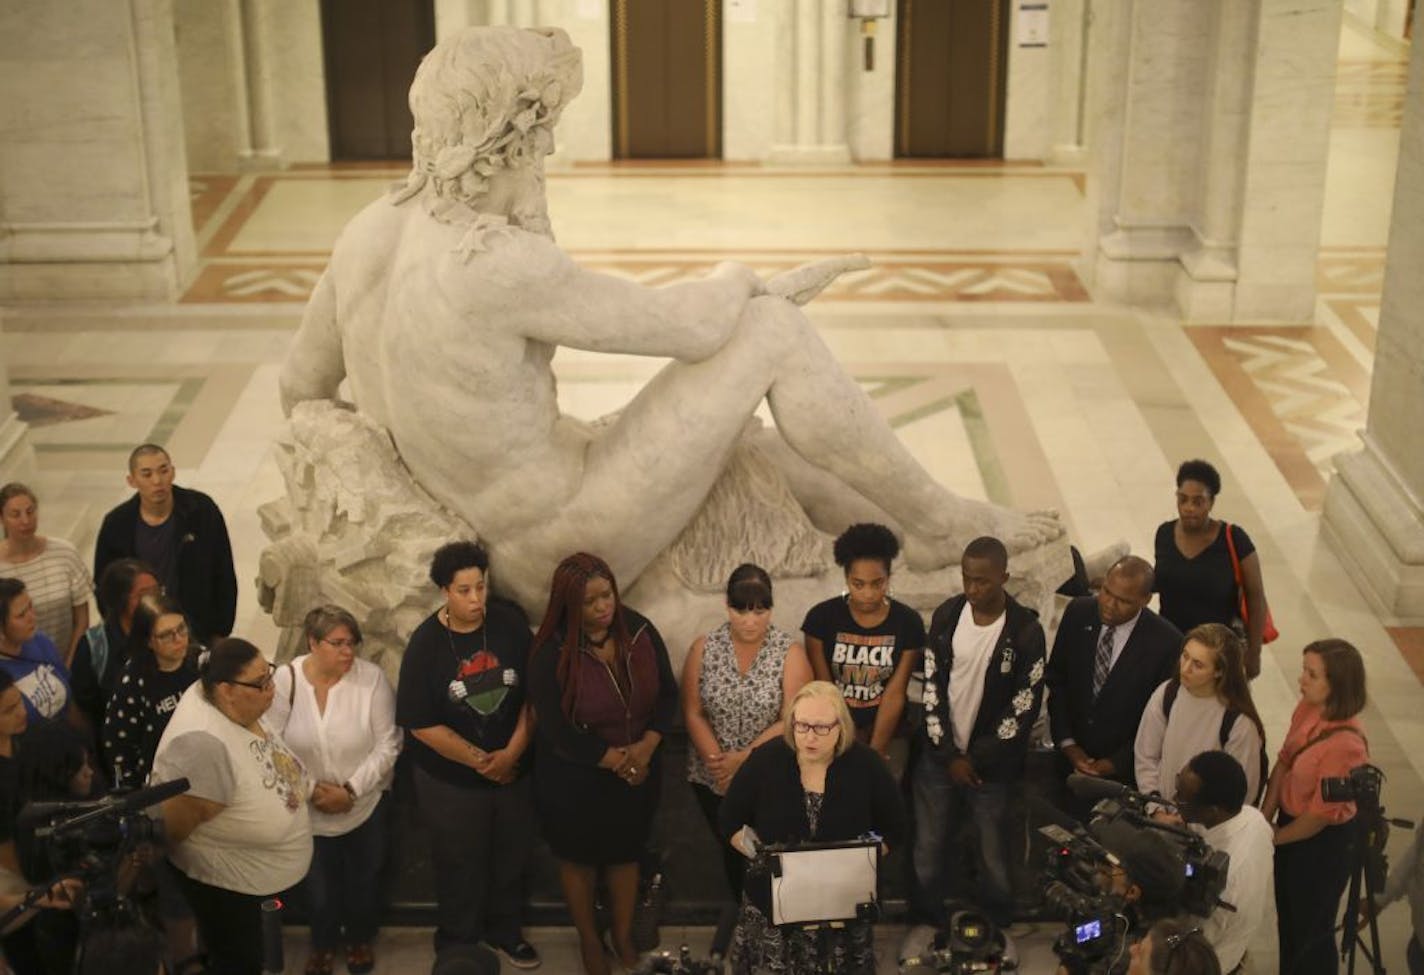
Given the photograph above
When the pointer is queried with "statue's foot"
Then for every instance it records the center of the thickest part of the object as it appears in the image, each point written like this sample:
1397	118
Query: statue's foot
1020	531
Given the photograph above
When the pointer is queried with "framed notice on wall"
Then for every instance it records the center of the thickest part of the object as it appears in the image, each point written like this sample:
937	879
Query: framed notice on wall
1032	24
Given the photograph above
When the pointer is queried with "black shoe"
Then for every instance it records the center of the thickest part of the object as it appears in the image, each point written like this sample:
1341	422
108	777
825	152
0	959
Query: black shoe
520	954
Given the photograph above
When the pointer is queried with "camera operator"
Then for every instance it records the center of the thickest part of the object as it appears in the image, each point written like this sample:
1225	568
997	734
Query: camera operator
1211	791
1144	874
1314	837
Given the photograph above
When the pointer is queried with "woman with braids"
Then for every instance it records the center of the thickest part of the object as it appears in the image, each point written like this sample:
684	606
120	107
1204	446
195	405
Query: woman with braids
863	641
604	696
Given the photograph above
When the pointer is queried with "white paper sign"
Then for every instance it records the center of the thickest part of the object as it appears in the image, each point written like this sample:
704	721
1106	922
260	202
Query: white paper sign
823	885
1033	24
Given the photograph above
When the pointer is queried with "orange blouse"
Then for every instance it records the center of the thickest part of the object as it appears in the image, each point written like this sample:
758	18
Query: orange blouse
1332	757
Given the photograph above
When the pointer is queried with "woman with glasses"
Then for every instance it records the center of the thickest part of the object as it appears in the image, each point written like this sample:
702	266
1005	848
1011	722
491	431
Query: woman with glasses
1174	947
242	831
815	783
337	712
158	667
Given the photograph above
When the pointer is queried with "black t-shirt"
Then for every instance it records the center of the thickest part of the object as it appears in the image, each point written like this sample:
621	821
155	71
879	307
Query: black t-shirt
490	662
862	659
156	545
164	690
1202	589
9	796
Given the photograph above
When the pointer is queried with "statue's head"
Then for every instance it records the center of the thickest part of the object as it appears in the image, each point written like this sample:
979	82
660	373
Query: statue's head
485	101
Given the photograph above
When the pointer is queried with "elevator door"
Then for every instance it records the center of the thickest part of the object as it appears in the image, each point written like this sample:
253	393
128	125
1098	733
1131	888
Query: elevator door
371	50
949	80
667	79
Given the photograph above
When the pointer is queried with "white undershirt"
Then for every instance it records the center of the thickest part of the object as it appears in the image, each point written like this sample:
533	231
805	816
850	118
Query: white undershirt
973	647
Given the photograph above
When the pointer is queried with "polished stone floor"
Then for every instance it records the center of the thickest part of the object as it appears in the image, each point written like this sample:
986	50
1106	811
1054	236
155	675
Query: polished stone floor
973	331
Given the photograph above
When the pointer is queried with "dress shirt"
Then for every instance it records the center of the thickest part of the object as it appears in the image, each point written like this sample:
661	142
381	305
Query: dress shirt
1121	634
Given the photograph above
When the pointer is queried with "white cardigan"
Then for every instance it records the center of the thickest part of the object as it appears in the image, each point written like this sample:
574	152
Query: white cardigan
354	741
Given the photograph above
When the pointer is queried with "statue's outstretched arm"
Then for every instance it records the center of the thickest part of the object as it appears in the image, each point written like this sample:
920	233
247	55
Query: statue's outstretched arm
584	309
314	367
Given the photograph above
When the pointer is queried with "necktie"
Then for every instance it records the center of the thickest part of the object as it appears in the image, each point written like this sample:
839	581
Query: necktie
1102	660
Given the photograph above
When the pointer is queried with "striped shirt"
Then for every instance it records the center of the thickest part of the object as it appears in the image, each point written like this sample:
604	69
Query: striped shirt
57	580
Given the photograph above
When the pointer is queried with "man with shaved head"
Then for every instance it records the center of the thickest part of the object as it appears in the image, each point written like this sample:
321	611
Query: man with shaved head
1110	654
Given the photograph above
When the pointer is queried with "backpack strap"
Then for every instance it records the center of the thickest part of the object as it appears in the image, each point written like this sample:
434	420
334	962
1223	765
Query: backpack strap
98	638
1169	697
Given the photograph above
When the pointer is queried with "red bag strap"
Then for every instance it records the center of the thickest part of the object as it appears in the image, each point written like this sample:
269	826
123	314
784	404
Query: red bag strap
1231	547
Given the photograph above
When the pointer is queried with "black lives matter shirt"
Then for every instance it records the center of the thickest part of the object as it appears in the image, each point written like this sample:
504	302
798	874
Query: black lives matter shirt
862	659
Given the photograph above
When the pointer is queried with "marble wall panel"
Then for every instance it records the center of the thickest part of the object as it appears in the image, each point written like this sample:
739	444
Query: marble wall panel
1029	92
209	80
870	101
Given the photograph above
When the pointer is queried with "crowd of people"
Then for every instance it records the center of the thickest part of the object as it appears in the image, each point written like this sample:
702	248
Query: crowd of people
557	730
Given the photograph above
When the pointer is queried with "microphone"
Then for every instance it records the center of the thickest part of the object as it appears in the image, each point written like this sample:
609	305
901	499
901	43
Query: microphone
1095	788
37	814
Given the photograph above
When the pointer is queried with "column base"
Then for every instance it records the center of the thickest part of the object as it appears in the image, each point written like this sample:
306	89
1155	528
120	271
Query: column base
96	281
1376	525
825	155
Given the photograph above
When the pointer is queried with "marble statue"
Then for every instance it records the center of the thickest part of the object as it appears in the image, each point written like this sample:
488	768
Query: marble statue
441	309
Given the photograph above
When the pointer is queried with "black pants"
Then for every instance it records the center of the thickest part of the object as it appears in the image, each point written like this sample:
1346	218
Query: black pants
342	888
734	865
230	925
480	840
1310	877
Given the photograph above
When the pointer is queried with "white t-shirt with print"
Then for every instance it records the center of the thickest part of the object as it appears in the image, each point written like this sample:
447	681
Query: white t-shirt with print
261	842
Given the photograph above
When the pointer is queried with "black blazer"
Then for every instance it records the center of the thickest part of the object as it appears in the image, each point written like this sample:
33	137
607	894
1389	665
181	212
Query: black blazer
1107	727
207	584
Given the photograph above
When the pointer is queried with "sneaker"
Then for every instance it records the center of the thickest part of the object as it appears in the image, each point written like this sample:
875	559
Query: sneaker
520	954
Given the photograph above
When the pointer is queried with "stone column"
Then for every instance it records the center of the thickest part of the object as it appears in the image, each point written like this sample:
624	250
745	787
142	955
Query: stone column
94	192
1213	120
817	121
1374	509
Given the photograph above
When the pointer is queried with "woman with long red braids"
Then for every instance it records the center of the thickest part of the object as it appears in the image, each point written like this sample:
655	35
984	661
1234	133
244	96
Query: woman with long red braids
604	696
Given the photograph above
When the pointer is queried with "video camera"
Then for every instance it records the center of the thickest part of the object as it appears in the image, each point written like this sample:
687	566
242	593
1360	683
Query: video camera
1078	888
970	944
88	841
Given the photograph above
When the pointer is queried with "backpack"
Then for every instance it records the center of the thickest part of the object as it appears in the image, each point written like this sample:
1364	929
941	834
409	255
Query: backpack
1228	721
98	638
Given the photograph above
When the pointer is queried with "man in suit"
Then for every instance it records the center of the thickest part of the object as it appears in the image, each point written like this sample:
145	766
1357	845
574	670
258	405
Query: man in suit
1110	654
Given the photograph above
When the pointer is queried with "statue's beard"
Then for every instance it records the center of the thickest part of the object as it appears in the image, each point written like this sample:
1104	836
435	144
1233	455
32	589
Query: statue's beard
531	210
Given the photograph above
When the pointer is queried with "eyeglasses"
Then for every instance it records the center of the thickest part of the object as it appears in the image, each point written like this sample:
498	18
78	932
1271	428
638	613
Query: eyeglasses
341	644
261	684
819	730
173	635
1173	942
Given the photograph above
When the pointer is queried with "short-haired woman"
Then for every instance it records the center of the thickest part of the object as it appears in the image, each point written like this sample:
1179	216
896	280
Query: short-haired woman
865	642
1194	573
735	683
1173	947
337	712
1314	837
241	832
1187	714
461	698
604	697
51	569
814	783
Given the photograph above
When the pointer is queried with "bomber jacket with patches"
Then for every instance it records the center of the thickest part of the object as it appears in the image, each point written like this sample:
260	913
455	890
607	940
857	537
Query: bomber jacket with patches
1013	691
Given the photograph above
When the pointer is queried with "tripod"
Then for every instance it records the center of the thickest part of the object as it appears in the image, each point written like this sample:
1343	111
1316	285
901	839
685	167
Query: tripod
1367	871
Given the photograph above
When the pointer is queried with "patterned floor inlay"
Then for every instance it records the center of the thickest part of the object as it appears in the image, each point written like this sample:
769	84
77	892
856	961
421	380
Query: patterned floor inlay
1410	641
206	192
1300	391
1369	94
917	280
44	411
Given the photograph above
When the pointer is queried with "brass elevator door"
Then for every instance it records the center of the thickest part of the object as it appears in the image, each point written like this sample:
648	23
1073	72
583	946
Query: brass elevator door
667	79
949	79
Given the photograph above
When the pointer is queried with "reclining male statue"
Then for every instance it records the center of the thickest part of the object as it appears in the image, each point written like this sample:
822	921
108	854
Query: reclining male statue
443	305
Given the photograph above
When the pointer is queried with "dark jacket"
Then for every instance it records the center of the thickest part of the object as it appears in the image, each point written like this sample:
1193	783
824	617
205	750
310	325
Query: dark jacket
207	583
1106	727
602	717
1013	691
766	794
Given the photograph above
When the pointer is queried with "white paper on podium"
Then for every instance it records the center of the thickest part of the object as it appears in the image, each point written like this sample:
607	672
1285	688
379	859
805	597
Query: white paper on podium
823	885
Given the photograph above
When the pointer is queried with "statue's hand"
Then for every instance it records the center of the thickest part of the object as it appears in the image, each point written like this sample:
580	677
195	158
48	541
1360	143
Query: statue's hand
800	284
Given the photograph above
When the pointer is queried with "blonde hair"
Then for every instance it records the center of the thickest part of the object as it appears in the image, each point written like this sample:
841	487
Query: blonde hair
821	690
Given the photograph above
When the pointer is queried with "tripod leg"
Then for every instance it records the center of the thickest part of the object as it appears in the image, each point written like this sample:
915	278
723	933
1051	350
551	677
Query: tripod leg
1376	957
1350	936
